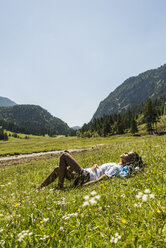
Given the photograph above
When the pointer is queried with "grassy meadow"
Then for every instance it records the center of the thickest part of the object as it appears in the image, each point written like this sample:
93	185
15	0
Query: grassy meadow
115	212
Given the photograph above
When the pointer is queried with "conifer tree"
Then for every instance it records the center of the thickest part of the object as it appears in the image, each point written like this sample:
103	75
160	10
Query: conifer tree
134	128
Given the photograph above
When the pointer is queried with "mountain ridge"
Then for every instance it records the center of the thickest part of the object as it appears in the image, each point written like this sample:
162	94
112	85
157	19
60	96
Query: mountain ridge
32	119
5	102
134	91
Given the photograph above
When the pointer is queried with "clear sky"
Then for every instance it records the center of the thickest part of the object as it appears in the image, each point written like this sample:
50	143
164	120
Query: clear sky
68	55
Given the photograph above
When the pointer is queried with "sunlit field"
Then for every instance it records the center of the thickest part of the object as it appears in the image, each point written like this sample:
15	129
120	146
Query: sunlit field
115	212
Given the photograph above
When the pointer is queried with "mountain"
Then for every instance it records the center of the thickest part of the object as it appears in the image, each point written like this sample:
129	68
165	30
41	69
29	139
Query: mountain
5	102
76	127
134	91
32	119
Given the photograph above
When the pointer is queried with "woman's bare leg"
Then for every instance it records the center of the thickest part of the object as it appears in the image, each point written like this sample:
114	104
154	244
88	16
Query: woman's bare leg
51	178
66	160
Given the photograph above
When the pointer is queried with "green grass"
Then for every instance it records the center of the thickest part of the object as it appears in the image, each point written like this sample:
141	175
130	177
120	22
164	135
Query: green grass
38	143
59	219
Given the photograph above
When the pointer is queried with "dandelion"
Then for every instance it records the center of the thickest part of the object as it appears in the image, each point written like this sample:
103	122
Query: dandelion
41	221
93	192
147	191
16	205
23	201
123	221
78	210
14	215
162	207
158	210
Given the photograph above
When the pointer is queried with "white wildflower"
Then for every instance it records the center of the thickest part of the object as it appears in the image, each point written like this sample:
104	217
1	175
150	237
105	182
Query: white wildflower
1	215
51	189
144	197
86	203
93	192
65	217
138	196
1	230
45	219
86	197
2	242
61	228
151	196
92	201
97	197
123	196
44	237
115	240
147	191
140	193
112	240
9	183
23	234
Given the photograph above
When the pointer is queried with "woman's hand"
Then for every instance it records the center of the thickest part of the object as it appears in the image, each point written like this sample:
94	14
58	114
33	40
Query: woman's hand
94	167
95	181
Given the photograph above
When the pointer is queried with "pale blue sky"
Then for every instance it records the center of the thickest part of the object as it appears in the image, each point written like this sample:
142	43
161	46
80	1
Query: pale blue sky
68	55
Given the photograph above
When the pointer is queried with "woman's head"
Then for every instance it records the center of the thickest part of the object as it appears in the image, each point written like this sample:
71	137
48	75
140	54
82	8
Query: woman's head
130	158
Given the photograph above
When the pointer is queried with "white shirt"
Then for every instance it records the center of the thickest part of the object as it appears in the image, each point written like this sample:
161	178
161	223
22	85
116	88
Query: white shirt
110	169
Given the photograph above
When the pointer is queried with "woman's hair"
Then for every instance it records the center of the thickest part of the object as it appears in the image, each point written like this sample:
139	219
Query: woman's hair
135	159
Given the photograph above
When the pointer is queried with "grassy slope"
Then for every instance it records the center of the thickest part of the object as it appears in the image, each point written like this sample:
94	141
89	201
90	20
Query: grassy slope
45	213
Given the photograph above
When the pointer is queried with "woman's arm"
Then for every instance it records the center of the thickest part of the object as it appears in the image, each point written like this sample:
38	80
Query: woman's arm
95	181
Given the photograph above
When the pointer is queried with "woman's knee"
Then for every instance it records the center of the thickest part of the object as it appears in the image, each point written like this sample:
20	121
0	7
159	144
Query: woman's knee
63	156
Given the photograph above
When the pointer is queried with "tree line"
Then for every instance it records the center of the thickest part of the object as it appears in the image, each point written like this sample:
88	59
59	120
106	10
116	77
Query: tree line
148	113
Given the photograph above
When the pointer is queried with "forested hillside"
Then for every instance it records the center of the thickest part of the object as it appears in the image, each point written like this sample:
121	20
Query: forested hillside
134	91
148	114
32	119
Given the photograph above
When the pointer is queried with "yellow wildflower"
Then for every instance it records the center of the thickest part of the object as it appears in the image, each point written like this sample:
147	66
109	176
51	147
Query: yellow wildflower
158	210
23	201
162	207
78	210
41	221
17	204
14	215
123	221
